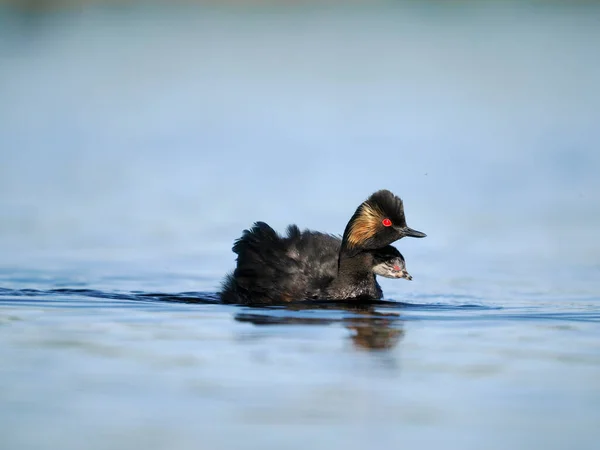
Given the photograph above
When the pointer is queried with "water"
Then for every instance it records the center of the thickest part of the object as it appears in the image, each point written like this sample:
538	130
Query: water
136	144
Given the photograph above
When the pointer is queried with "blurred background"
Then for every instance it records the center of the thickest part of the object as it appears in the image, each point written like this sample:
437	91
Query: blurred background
154	132
138	140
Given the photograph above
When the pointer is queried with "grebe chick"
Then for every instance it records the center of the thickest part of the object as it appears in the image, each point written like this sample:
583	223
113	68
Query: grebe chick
390	263
305	265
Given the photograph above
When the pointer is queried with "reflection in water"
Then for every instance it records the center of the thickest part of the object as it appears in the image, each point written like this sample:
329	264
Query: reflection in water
370	329
372	325
374	333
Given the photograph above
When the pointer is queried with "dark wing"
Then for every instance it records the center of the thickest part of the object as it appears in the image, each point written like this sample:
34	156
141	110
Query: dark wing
275	269
316	258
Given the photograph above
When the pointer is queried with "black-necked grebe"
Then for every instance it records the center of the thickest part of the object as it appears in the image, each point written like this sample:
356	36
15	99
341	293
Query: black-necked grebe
305	265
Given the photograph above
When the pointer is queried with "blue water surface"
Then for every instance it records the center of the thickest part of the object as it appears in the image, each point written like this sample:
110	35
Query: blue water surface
136	143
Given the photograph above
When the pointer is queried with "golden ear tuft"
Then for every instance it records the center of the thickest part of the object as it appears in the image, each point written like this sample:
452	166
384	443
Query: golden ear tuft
365	224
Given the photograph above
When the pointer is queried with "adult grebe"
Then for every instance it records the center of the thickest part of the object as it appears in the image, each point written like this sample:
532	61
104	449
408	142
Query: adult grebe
309	265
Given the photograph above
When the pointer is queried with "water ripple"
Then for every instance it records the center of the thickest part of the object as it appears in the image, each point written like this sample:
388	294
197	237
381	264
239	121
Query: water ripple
314	312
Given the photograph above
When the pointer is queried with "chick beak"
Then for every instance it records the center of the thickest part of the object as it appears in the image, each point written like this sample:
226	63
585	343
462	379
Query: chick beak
401	273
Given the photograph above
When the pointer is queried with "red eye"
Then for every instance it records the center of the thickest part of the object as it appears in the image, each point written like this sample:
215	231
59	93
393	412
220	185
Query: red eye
386	222
397	268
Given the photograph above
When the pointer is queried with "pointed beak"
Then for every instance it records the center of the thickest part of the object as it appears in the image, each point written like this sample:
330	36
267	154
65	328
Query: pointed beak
413	233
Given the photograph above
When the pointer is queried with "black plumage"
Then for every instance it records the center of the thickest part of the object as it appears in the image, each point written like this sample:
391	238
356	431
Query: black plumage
304	265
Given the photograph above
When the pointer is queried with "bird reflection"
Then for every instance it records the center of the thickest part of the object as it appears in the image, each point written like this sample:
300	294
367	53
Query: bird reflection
371	326
369	329
374	334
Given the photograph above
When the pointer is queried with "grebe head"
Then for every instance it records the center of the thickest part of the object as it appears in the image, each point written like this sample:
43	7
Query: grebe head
389	262
377	222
